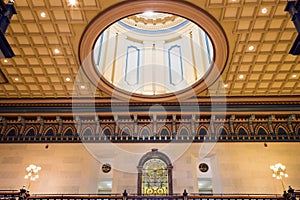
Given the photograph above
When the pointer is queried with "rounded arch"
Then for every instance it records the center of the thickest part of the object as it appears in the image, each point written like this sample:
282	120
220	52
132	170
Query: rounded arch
50	131
202	131
12	131
164	131
31	131
241	130
87	131
145	131
126	131
261	130
69	131
107	131
222	130
280	129
154	154
184	131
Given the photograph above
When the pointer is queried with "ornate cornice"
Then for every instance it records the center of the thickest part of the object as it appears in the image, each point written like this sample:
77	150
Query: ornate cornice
229	100
104	106
155	128
238	119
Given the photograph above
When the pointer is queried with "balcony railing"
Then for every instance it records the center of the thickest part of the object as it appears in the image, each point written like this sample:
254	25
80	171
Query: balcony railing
17	196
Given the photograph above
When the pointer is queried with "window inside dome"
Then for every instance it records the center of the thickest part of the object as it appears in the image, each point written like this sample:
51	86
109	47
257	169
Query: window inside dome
153	53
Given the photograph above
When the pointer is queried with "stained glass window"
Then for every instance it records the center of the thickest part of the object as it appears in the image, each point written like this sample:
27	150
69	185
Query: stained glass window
155	177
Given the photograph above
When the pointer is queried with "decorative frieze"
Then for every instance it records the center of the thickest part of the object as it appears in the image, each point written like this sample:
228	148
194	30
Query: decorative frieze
173	128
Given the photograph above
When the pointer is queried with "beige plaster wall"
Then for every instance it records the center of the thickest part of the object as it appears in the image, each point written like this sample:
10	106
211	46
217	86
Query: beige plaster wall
76	168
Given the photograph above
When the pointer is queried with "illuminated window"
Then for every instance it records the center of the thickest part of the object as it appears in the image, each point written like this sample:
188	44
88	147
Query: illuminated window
155	177
155	174
105	186
151	58
205	186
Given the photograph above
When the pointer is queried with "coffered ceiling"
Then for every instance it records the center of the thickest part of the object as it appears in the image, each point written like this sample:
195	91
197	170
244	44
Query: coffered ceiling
45	36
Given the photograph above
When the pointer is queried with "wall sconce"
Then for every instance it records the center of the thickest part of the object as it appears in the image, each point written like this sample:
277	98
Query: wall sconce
32	173
279	172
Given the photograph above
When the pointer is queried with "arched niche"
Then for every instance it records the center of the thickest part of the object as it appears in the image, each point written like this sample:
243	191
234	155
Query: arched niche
164	169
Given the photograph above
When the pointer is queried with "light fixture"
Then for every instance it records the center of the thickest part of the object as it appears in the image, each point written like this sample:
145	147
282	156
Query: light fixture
82	87
32	173
251	48
294	76
279	172
16	79
264	10
43	14
72	3
5	60
68	79
225	85
56	51
148	13
241	76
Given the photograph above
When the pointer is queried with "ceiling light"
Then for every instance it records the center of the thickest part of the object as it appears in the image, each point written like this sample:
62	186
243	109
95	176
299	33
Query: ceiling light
43	14
251	48
68	79
225	85
72	2
279	171
32	173
148	92
6	61
56	51
82	87
264	10
294	75
241	76
148	14
16	79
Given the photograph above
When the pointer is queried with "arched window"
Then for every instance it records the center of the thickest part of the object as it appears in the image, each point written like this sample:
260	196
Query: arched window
155	174
202	132
222	131
262	131
12	132
88	132
125	132
155	177
49	132
68	132
164	132
106	132
145	132
184	132
30	132
242	131
281	131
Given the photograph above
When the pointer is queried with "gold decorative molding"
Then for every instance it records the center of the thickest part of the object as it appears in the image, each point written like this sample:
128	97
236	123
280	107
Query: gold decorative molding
143	129
181	8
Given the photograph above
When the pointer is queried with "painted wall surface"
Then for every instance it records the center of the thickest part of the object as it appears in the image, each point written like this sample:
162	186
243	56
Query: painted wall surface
76	168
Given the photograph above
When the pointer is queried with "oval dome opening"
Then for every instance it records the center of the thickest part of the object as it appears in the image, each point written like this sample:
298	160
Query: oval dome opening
153	53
